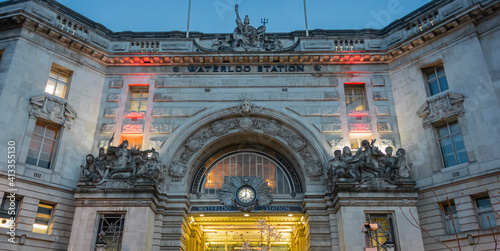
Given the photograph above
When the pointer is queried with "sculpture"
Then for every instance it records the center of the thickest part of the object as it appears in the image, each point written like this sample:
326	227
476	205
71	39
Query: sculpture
121	163
369	163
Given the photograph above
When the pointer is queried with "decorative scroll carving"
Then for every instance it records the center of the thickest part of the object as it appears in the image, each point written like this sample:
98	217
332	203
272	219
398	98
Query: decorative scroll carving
233	183
369	166
441	106
313	167
52	108
120	165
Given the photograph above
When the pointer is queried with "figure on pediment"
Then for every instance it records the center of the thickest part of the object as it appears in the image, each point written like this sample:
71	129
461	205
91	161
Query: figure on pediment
244	34
338	167
89	172
404	168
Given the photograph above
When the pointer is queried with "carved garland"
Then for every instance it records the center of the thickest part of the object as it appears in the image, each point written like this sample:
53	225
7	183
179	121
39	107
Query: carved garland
52	108
270	127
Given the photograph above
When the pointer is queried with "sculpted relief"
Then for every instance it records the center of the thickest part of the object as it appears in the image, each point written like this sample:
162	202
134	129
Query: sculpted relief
122	167
368	164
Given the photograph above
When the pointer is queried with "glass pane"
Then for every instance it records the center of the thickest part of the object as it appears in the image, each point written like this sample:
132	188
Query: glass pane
443	83
134	106
53	74
454	128
443	131
135	94
51	87
440	70
51	132
60	89
433	87
487	220
39	128
63	78
143	106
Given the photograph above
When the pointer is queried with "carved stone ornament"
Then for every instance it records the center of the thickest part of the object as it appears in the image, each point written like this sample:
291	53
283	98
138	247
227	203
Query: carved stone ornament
441	106
231	186
52	108
297	143
246	38
369	168
120	167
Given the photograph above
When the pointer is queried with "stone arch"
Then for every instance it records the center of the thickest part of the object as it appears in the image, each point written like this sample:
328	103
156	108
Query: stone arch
198	137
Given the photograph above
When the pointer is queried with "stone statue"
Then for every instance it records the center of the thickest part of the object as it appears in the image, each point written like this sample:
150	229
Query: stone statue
366	160
245	35
387	162
121	163
402	166
338	167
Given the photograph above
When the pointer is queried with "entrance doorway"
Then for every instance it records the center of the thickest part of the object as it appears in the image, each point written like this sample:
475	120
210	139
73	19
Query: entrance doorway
240	231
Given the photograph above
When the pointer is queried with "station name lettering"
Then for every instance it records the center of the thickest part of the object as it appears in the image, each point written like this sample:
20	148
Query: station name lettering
247	68
227	209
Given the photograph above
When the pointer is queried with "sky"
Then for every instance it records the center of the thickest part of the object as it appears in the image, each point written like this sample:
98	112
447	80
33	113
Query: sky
218	16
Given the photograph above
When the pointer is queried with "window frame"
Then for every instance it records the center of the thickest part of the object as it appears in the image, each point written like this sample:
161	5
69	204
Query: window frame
141	99
450	135
432	70
101	215
50	219
6	202
480	212
353	96
55	147
59	70
447	220
392	229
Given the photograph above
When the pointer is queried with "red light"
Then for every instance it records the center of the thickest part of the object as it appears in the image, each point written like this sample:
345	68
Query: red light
354	83
138	85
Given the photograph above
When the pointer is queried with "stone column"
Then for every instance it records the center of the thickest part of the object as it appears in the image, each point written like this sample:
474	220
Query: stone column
317	227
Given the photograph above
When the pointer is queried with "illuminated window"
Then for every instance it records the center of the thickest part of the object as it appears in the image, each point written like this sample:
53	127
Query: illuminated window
355	97
110	231
450	217
246	164
43	145
9	209
452	144
383	237
485	213
43	218
138	99
58	81
436	79
357	138
134	140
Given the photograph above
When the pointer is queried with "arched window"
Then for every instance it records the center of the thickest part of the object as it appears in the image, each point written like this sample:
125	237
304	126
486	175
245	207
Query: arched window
246	164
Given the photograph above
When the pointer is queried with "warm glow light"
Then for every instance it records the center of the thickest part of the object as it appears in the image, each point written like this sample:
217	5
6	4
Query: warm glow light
39	226
290	215
192	219
6	223
354	83
246	215
201	215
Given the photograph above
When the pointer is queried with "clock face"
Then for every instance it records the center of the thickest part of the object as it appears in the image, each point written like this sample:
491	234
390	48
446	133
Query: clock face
245	194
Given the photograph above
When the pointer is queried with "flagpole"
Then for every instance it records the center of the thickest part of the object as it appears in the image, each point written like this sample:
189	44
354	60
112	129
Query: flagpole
189	15
305	15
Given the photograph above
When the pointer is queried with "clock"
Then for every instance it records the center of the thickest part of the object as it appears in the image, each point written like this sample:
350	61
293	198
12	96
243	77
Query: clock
246	195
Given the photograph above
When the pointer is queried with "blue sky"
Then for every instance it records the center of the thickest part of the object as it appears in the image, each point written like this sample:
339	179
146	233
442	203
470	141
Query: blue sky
214	16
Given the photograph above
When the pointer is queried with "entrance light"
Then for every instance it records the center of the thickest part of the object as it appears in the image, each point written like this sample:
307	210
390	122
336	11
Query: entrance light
290	215
201	215
246	215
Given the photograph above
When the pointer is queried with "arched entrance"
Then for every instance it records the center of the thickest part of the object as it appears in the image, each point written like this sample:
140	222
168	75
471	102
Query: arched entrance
240	167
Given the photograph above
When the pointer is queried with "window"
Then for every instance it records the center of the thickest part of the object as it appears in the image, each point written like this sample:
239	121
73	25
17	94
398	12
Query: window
43	218
138	100
436	79
383	237
355	97
485	213
450	217
355	140
8	210
43	145
110	231
58	81
452	144
134	140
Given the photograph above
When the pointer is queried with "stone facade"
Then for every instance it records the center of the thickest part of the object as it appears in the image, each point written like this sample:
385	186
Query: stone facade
352	119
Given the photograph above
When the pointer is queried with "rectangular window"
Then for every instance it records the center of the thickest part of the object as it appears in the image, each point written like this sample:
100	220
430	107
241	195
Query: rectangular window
134	140
110	231
43	145
43	218
485	213
355	97
383	237
436	79
452	144
58	81
450	217
138	100
9	209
